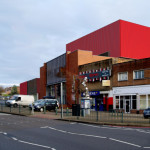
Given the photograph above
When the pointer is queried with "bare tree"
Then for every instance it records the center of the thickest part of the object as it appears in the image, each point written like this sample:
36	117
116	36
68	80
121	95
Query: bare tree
1	90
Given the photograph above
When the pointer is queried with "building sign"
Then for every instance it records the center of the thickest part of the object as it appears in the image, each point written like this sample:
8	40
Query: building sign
96	75
106	83
92	93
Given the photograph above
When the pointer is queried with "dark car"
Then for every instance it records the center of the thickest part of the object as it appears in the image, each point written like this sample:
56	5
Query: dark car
146	113
48	104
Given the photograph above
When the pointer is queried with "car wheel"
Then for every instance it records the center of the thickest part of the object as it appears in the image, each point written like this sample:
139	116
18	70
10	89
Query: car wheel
145	117
15	105
41	109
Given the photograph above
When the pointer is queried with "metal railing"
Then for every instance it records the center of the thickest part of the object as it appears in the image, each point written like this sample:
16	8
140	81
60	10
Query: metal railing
15	110
104	116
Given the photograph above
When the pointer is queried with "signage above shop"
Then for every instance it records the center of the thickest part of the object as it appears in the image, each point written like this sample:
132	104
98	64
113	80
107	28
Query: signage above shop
93	75
92	93
105	82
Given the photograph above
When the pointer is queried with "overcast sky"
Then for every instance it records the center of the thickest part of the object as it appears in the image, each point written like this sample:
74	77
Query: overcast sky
35	31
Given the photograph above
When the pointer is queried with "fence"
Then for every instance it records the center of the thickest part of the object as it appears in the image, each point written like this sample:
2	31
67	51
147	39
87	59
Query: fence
15	110
104	117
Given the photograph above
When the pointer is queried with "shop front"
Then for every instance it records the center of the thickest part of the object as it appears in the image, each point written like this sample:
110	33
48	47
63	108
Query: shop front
100	101
131	99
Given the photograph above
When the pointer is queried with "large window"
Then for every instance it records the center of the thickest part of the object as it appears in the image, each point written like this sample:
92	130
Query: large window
134	102
142	101
117	102
148	100
122	76
139	74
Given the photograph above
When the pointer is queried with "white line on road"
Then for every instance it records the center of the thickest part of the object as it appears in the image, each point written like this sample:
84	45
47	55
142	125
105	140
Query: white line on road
146	147
14	138
117	128
124	142
76	133
36	144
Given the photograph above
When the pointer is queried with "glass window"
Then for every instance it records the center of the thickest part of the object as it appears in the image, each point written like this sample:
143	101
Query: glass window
134	102
122	76
139	74
142	101
117	102
148	100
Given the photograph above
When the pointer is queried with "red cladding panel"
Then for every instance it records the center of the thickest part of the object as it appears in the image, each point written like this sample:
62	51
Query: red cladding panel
23	88
100	41
135	40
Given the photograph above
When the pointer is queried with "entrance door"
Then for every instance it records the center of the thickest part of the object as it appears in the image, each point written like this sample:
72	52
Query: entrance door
127	106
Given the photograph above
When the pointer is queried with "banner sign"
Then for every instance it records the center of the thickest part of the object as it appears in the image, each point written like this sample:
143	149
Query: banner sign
99	74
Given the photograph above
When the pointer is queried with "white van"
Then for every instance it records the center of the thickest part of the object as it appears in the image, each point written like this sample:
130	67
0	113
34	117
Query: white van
23	100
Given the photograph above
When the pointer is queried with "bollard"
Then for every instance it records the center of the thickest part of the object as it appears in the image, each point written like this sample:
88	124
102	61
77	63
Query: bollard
10	108
122	118
44	109
67	111
19	109
56	110
97	116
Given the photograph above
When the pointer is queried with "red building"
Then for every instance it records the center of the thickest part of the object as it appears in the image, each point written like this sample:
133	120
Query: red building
118	39
23	88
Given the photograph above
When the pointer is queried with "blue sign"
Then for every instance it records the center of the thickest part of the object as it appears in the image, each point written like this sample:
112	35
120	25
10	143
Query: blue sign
92	93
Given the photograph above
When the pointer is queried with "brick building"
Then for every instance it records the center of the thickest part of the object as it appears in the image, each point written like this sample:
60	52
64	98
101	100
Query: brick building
131	85
99	75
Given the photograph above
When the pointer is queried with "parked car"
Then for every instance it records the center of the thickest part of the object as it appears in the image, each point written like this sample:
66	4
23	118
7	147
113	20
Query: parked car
36	103
23	100
146	113
51	98
48	104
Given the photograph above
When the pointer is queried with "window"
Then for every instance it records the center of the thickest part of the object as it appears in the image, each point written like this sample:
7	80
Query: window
142	101
123	76
121	102
148	100
139	74
117	102
134	102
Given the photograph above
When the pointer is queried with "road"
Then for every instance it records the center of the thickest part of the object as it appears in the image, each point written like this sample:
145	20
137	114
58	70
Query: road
26	133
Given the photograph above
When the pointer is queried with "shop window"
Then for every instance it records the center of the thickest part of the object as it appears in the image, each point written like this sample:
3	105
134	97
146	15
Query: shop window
148	100
139	74
134	102
117	102
123	76
142	101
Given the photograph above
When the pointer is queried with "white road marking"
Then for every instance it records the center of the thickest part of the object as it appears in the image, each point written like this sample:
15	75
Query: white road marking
124	142
4	133
45	127
76	133
117	128
146	147
73	123
36	144
14	138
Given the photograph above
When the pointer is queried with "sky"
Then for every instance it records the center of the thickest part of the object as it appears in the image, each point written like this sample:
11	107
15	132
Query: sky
33	32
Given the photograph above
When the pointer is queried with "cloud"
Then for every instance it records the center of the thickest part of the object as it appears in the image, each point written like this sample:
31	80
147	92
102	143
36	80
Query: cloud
33	31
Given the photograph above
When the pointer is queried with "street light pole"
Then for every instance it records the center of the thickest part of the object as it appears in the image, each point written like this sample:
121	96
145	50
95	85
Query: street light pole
61	100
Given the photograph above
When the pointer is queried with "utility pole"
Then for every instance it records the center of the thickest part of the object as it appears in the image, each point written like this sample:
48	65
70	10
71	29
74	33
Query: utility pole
61	100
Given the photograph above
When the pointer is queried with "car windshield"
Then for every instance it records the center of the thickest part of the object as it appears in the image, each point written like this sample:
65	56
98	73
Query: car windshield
39	101
13	97
42	102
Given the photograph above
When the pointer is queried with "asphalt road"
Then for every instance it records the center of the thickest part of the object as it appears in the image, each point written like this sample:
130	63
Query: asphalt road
26	133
